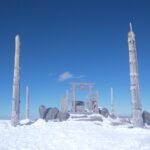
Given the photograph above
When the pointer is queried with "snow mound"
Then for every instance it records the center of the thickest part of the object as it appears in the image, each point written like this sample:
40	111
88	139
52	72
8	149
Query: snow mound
5	124
25	121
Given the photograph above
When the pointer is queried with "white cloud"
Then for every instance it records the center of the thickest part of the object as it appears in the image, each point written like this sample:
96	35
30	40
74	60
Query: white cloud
80	77
65	76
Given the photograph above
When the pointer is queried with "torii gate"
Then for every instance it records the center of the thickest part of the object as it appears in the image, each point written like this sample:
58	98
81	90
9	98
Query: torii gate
80	86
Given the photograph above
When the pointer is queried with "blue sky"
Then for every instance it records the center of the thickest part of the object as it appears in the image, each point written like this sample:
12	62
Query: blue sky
86	40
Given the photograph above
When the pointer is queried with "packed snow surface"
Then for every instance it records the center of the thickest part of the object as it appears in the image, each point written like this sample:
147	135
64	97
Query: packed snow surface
72	135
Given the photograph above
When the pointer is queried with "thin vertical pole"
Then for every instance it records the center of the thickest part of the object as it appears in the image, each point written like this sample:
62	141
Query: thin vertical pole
16	85
27	102
112	101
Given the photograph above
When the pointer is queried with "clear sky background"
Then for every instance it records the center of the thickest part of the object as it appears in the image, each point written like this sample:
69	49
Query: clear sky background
75	40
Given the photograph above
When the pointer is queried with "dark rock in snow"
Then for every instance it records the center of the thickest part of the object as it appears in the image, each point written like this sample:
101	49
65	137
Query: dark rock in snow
63	116
42	111
146	117
104	112
99	110
113	116
51	114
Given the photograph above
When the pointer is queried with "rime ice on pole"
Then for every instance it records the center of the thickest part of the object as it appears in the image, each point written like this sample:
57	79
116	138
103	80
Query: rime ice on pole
112	101
134	81
27	102
16	84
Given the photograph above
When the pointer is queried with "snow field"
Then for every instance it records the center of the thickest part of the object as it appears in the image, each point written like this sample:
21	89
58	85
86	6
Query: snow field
72	135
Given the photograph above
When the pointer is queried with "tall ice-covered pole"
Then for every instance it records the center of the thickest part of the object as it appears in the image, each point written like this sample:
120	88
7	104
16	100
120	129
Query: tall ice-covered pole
112	101
16	84
97	100
27	102
64	102
134	81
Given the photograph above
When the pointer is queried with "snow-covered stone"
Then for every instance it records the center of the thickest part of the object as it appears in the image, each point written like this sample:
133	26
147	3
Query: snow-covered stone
62	116
51	114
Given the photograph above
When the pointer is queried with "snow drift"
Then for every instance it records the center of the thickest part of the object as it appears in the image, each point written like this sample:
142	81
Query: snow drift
73	135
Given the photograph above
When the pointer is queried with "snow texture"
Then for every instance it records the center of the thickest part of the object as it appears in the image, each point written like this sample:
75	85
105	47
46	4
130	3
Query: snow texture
73	135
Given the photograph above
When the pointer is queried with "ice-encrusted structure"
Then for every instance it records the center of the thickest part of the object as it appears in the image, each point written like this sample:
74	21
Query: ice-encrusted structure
134	81
112	101
27	102
16	84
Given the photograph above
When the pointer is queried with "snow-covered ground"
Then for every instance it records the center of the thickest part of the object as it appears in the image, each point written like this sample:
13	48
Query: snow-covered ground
73	135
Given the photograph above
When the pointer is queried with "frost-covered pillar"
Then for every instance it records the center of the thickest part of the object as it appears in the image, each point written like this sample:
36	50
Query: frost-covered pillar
67	100
64	102
97	100
112	101
27	102
73	99
134	81
16	84
90	99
